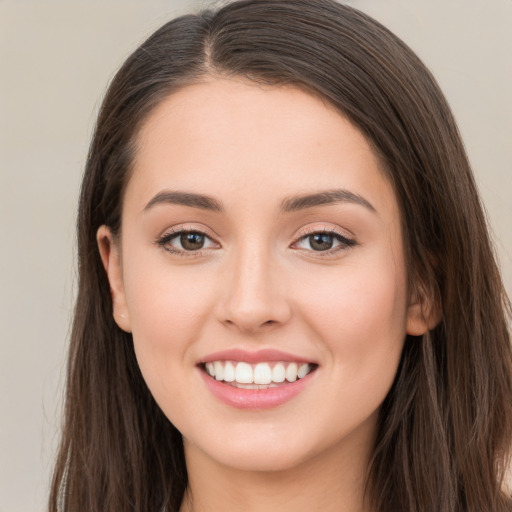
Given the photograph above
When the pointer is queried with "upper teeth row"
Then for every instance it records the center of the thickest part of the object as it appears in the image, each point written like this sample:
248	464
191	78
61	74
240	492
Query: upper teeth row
261	373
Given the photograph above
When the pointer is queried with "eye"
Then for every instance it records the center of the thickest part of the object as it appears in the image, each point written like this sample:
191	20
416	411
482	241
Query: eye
186	241
324	241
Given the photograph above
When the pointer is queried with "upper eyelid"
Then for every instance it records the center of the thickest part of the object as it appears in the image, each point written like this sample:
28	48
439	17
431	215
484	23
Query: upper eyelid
344	240
311	230
176	234
185	228
302	233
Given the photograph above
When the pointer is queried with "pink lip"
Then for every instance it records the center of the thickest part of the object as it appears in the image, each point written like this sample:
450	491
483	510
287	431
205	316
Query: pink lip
254	398
265	355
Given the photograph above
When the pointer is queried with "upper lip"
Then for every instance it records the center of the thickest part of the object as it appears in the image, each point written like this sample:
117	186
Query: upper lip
258	356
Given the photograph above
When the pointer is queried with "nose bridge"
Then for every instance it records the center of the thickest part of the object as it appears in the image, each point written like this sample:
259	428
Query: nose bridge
256	297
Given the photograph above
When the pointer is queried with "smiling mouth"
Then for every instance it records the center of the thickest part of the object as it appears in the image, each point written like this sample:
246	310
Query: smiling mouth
262	375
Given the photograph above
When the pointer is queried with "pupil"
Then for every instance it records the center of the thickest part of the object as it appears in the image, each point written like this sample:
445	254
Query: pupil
321	241
192	241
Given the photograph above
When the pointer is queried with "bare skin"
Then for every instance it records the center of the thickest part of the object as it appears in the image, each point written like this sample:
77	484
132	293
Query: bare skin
323	281
340	489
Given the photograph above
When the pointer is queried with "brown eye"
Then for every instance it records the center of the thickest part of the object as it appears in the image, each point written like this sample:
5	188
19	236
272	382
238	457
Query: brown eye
321	241
186	243
324	242
192	241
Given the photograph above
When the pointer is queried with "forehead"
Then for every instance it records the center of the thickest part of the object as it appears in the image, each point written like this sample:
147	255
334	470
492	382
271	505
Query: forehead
240	109
235	136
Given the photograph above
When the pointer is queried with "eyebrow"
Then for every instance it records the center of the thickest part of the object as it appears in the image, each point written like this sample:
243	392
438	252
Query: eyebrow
295	203
289	204
186	199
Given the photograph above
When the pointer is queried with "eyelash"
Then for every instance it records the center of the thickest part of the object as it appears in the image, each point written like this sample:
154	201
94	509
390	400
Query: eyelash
164	241
344	242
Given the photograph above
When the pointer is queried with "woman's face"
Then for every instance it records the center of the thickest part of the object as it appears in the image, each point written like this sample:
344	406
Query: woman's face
261	241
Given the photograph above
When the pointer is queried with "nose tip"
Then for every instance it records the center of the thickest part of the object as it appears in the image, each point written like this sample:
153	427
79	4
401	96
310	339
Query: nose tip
256	308
250	320
255	299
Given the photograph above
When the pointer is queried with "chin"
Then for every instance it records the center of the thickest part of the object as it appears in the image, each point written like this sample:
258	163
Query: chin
262	448
255	459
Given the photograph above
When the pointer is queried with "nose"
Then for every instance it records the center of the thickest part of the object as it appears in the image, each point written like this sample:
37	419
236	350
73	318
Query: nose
254	297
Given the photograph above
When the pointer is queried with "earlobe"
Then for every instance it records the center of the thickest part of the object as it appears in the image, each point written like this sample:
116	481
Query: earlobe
111	258
423	314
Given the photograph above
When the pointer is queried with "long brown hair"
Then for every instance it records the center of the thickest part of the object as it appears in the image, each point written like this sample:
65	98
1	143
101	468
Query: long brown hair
445	428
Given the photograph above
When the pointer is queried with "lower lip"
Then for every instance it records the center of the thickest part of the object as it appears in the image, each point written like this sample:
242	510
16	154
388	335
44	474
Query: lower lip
255	398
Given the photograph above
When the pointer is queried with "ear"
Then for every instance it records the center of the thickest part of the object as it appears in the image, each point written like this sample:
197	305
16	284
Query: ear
111	258
423	313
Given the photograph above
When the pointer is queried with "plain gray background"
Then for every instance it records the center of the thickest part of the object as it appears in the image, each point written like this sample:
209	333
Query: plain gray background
56	59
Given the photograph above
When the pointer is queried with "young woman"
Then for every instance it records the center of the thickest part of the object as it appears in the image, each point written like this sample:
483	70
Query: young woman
287	296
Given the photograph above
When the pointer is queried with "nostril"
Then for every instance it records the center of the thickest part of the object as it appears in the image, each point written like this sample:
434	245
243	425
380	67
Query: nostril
245	324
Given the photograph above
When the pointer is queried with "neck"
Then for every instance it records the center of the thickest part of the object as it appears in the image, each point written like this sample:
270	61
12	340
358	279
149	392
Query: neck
332	481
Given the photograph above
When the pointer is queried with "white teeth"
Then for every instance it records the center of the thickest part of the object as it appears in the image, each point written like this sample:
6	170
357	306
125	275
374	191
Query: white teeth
219	370
229	372
278	373
243	373
291	372
262	375
301	372
253	386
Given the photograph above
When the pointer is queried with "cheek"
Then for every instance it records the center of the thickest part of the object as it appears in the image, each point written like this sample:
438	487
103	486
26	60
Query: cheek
164	299
360	314
361	324
167	308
